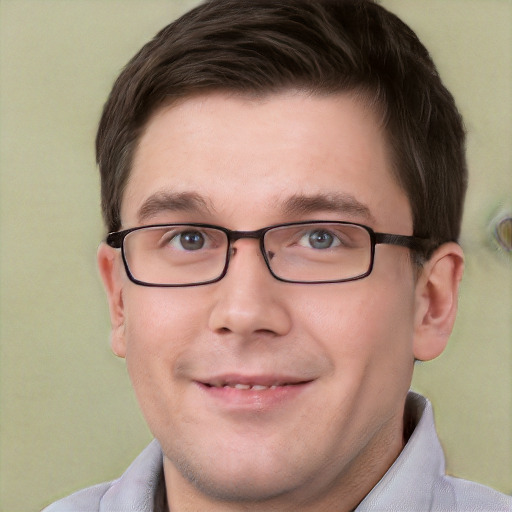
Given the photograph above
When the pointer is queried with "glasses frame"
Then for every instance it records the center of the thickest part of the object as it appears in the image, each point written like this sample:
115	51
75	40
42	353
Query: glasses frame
116	241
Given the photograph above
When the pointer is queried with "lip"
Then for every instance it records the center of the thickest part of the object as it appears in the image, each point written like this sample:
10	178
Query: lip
232	379
252	392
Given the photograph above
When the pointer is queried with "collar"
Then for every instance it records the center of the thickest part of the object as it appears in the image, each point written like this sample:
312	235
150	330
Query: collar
410	482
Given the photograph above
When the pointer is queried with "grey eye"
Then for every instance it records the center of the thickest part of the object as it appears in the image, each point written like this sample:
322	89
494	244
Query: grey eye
320	239
189	240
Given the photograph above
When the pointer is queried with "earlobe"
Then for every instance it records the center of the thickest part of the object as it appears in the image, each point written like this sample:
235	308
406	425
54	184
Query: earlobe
109	265
436	301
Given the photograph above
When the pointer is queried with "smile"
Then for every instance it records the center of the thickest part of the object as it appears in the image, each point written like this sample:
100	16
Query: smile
253	387
254	382
237	393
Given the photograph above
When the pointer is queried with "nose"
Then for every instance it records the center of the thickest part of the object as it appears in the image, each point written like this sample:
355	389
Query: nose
249	302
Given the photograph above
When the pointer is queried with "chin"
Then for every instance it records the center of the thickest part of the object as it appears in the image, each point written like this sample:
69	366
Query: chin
239	481
240	490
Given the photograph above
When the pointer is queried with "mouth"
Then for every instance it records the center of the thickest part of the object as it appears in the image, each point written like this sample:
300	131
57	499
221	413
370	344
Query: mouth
250	386
255	383
252	393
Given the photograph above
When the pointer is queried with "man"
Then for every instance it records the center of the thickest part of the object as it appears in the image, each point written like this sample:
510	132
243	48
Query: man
283	184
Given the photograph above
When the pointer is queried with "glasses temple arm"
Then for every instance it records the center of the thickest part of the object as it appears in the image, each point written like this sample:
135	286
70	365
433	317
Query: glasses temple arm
411	242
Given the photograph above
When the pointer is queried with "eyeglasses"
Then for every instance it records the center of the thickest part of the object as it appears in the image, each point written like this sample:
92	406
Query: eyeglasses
312	252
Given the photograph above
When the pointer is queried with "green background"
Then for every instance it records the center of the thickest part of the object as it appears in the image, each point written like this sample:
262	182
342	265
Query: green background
68	416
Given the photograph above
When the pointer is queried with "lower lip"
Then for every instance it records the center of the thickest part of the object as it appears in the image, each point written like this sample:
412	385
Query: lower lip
253	399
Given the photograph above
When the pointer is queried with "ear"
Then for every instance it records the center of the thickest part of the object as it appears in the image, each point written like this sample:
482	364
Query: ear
437	292
111	271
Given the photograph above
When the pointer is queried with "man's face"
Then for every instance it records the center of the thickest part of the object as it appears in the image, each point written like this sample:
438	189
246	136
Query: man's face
332	363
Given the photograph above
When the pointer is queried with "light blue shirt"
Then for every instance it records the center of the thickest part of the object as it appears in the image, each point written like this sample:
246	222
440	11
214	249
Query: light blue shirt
416	482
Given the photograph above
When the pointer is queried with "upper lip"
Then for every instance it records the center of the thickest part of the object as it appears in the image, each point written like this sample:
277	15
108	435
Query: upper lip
253	380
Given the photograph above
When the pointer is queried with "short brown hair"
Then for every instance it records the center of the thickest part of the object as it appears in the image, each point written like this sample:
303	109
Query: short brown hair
322	46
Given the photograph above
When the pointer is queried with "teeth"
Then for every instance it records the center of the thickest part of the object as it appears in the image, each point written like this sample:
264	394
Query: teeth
242	386
254	387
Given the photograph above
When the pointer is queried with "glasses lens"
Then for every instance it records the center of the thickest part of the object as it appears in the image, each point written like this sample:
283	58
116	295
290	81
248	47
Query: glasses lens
176	255
320	252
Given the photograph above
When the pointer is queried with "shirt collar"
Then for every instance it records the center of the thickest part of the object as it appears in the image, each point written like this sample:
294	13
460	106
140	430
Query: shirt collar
408	484
135	489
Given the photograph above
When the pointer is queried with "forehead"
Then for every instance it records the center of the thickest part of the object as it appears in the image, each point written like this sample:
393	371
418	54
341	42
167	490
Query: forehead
230	156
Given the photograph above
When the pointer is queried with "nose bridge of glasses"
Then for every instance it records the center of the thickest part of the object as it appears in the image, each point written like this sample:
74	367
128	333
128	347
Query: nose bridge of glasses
238	235
234	236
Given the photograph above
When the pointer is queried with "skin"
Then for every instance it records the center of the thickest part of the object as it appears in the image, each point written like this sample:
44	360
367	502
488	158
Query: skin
322	444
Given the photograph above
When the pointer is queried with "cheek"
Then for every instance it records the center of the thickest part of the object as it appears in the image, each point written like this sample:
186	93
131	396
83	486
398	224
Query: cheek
160	320
362	324
160	324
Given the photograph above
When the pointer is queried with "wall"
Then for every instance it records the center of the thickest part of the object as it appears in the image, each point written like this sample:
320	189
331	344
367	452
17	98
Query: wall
68	416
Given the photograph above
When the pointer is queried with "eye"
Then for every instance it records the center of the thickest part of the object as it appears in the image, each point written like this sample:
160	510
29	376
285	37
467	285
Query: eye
188	241
319	239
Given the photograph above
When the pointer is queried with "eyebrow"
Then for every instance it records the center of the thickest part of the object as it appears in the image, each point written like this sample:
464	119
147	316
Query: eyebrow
164	201
338	203
296	205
